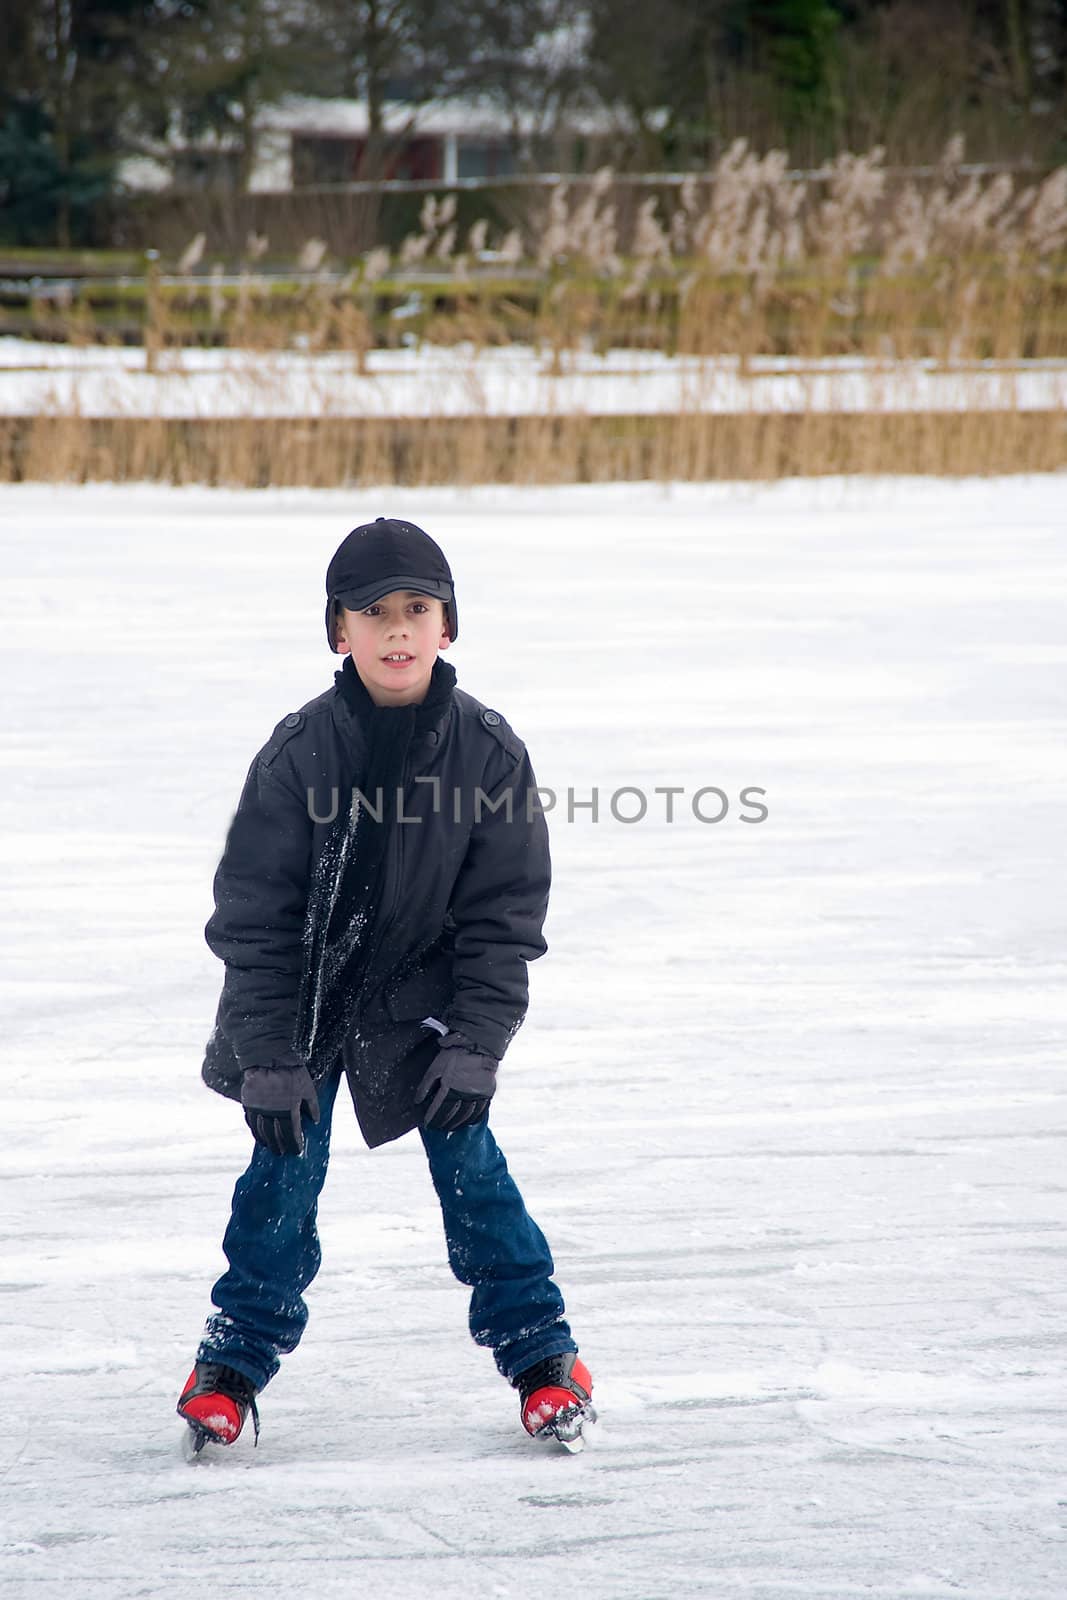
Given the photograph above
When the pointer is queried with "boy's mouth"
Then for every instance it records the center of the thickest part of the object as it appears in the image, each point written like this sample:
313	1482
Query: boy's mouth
398	658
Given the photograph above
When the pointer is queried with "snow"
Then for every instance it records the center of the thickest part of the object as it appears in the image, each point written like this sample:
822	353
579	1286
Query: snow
99	381
788	1103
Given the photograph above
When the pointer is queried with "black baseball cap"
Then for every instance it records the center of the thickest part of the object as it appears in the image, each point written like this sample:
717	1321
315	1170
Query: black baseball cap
382	556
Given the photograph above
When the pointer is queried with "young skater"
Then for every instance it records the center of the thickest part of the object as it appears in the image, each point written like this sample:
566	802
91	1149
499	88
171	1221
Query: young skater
383	885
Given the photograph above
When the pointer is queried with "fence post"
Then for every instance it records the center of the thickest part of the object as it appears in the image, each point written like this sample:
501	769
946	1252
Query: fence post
152	321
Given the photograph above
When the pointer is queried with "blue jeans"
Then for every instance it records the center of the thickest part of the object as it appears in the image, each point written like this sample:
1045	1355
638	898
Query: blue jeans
272	1246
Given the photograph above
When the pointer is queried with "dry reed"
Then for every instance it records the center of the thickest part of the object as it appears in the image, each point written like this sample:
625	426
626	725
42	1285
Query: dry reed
526	449
744	261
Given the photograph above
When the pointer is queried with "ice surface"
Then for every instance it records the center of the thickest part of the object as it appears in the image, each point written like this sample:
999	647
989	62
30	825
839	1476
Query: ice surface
789	1102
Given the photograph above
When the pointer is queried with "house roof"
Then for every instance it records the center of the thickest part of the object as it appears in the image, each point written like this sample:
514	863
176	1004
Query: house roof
464	118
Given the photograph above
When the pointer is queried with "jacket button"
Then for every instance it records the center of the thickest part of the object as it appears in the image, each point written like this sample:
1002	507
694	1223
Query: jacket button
293	720
490	719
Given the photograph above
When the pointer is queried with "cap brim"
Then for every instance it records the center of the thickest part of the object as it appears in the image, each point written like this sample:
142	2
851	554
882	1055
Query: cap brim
357	599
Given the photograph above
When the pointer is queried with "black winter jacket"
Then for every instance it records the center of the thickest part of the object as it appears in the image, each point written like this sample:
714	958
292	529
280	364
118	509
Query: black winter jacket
464	898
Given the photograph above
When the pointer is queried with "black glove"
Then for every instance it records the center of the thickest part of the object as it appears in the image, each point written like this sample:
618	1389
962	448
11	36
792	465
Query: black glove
465	1079
273	1098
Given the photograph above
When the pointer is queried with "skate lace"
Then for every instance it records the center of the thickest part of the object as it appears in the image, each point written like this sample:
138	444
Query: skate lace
551	1372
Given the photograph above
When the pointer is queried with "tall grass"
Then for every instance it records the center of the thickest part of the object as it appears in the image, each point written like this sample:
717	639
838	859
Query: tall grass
526	449
957	269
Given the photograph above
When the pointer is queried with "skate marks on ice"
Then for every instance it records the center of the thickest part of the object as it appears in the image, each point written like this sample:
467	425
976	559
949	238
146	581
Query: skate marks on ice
809	1211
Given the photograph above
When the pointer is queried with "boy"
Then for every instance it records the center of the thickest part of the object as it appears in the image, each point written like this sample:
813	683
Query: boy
383	886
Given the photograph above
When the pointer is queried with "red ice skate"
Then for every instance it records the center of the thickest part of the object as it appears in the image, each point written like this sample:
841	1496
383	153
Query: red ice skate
215	1402
556	1399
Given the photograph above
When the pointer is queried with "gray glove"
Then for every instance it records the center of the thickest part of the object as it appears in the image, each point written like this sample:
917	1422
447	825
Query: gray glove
465	1082
273	1098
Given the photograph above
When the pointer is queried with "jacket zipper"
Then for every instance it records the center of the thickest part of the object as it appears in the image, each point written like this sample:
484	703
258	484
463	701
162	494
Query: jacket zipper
392	899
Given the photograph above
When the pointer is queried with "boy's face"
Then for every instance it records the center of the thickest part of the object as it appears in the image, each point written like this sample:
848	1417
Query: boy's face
402	624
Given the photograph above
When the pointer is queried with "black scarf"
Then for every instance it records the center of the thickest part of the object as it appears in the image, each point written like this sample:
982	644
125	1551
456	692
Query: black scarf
345	890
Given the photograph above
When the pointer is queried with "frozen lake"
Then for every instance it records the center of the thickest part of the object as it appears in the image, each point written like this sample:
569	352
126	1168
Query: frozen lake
789	1100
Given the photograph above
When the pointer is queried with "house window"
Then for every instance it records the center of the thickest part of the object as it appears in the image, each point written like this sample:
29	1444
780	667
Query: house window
489	158
319	160
420	157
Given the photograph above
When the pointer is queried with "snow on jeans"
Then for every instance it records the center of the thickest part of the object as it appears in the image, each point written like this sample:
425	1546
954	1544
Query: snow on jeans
272	1246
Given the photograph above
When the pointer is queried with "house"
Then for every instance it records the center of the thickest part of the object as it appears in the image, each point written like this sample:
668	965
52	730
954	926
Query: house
325	141
306	143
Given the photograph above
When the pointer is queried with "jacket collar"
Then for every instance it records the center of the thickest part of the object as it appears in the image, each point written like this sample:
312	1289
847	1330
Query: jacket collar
430	715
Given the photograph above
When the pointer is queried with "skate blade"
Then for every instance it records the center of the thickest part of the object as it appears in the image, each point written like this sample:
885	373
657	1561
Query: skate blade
192	1443
567	1427
195	1440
